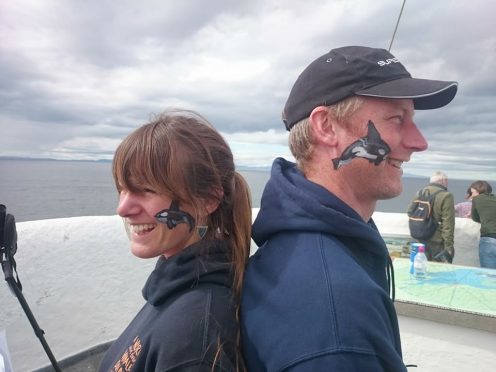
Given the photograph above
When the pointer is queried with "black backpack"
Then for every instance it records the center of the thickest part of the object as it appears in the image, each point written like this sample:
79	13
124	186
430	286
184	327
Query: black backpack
421	222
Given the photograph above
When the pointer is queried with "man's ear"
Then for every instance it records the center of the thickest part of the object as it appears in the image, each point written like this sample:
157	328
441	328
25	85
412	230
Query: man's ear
323	126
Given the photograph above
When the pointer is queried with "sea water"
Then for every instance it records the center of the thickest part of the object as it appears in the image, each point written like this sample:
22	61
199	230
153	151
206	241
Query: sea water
41	189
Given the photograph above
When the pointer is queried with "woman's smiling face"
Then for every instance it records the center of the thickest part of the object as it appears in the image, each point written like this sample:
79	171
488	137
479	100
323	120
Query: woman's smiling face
149	238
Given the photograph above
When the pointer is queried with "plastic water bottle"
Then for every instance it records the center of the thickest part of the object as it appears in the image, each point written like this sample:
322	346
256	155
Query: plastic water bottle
413	252
420	263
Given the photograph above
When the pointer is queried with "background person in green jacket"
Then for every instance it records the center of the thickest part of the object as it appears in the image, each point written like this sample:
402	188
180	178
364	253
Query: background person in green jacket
440	247
484	212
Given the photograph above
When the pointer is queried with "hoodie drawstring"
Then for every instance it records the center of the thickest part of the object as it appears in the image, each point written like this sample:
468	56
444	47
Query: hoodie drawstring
390	277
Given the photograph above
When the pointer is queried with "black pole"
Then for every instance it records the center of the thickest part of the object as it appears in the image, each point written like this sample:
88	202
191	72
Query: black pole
8	248
9	278
396	27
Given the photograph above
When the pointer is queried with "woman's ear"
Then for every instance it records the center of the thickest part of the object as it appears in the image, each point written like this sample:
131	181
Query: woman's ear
323	126
211	204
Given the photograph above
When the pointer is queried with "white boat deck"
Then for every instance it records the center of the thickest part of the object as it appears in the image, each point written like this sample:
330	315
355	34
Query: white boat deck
432	347
438	347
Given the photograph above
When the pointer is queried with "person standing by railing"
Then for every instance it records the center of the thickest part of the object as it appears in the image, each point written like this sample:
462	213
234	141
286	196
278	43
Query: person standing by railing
484	212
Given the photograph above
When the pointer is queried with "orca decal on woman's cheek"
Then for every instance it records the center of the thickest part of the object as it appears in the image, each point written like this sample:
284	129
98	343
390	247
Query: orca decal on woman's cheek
371	147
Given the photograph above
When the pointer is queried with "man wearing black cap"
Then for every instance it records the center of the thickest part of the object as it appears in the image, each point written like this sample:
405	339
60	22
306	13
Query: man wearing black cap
316	295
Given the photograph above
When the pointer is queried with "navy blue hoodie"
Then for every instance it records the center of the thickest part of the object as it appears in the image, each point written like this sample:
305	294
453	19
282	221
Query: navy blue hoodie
316	293
189	319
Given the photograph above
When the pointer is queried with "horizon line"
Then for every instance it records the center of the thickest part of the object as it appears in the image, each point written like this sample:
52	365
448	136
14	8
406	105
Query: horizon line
238	166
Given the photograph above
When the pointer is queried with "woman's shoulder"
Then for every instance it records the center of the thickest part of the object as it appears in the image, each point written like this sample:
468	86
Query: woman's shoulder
484	200
198	304
194	323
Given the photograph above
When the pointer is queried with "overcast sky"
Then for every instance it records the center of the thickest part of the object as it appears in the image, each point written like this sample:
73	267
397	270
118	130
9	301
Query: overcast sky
77	76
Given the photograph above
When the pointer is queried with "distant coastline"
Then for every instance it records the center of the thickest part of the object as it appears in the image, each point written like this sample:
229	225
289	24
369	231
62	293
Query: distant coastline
26	158
42	188
239	167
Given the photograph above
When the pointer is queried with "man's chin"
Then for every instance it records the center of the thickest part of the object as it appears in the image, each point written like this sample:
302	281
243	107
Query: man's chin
392	192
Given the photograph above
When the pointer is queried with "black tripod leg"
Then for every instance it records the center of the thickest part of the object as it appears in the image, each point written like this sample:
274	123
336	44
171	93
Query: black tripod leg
37	330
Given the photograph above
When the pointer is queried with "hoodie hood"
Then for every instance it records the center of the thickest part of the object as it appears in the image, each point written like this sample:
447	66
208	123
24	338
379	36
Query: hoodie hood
290	202
205	262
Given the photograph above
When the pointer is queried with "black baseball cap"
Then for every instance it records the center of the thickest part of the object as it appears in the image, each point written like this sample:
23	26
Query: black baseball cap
362	71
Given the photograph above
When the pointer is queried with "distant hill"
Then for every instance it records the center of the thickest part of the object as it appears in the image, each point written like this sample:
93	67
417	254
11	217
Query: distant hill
239	167
51	159
409	175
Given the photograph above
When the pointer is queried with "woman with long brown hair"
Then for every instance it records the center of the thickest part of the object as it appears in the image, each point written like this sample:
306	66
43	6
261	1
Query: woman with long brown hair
182	201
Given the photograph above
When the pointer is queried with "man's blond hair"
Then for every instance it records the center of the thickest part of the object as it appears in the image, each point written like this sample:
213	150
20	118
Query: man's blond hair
301	140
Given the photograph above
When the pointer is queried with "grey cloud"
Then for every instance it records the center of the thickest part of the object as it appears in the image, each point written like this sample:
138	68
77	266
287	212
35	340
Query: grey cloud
106	33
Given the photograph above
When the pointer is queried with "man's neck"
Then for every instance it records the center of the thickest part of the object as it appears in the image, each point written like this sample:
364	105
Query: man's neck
343	191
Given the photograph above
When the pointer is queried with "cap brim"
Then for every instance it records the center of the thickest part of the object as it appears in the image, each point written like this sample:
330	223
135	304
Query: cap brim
426	94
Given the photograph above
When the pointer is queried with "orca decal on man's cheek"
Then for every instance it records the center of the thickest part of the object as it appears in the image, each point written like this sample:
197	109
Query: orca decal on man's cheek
371	147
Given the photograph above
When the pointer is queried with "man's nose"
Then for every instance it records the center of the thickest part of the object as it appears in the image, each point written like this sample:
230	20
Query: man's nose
414	139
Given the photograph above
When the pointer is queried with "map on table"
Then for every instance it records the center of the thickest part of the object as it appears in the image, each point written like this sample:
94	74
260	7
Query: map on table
468	289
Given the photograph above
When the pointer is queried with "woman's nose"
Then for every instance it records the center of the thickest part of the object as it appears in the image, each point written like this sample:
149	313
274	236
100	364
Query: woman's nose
127	204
